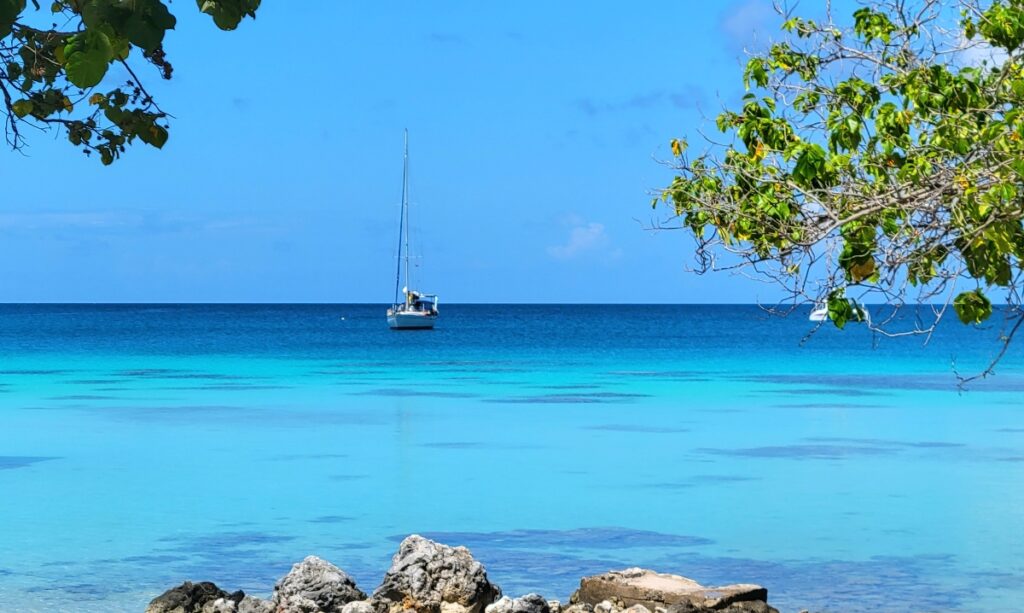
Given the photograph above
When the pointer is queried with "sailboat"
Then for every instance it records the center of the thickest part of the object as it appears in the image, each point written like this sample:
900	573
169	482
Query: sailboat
821	313
419	310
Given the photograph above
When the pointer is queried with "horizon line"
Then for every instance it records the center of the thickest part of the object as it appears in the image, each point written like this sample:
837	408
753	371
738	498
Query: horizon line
471	303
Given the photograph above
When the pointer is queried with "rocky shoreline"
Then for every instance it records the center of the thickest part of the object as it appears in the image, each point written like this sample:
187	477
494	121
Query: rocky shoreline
429	577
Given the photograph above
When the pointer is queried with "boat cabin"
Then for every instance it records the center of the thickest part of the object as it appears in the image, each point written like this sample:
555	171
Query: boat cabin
424	303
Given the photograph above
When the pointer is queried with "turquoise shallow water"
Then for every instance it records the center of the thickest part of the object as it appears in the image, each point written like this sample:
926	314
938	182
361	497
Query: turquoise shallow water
143	445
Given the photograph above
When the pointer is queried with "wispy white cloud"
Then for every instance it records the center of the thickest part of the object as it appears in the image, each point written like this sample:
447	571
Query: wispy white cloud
975	53
120	222
747	21
446	38
85	220
690	96
584	237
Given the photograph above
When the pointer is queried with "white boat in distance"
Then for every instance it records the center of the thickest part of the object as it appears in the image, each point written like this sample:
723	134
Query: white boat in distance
820	313
418	311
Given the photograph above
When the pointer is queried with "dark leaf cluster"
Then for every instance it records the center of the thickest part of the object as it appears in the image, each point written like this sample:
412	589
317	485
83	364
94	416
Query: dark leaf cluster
49	76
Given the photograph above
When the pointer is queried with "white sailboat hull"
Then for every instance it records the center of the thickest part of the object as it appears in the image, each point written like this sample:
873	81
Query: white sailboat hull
821	314
411	321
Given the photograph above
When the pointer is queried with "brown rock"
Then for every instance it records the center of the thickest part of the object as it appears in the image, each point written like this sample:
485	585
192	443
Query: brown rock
192	598
637	586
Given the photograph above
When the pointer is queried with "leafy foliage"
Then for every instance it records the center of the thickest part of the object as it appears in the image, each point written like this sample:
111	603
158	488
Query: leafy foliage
49	77
227	14
972	307
877	159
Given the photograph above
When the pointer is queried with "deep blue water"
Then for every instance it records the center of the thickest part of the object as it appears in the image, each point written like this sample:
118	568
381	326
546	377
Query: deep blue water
141	445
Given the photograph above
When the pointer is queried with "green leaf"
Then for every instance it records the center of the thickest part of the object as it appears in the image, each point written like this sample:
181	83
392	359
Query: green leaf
146	26
88	56
227	14
95	13
121	47
115	115
9	12
842	310
972	307
22	107
838	308
142	22
970	29
153	135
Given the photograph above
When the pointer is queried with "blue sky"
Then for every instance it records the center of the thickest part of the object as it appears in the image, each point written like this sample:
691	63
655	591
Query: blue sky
536	130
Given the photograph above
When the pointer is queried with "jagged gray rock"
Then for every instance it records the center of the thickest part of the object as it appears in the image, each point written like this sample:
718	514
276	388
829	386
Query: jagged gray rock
318	581
221	605
636	586
501	605
191	598
429	577
250	604
531	603
358	606
750	606
607	606
296	604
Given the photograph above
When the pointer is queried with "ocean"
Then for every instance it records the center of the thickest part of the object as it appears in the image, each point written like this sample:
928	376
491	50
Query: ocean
142	445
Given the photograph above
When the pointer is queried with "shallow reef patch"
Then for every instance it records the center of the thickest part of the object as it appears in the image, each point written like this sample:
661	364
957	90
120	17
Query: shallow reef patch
10	462
802	451
637	428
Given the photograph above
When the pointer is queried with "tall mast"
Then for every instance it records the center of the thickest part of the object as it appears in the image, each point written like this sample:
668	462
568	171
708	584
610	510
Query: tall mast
405	205
403	230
